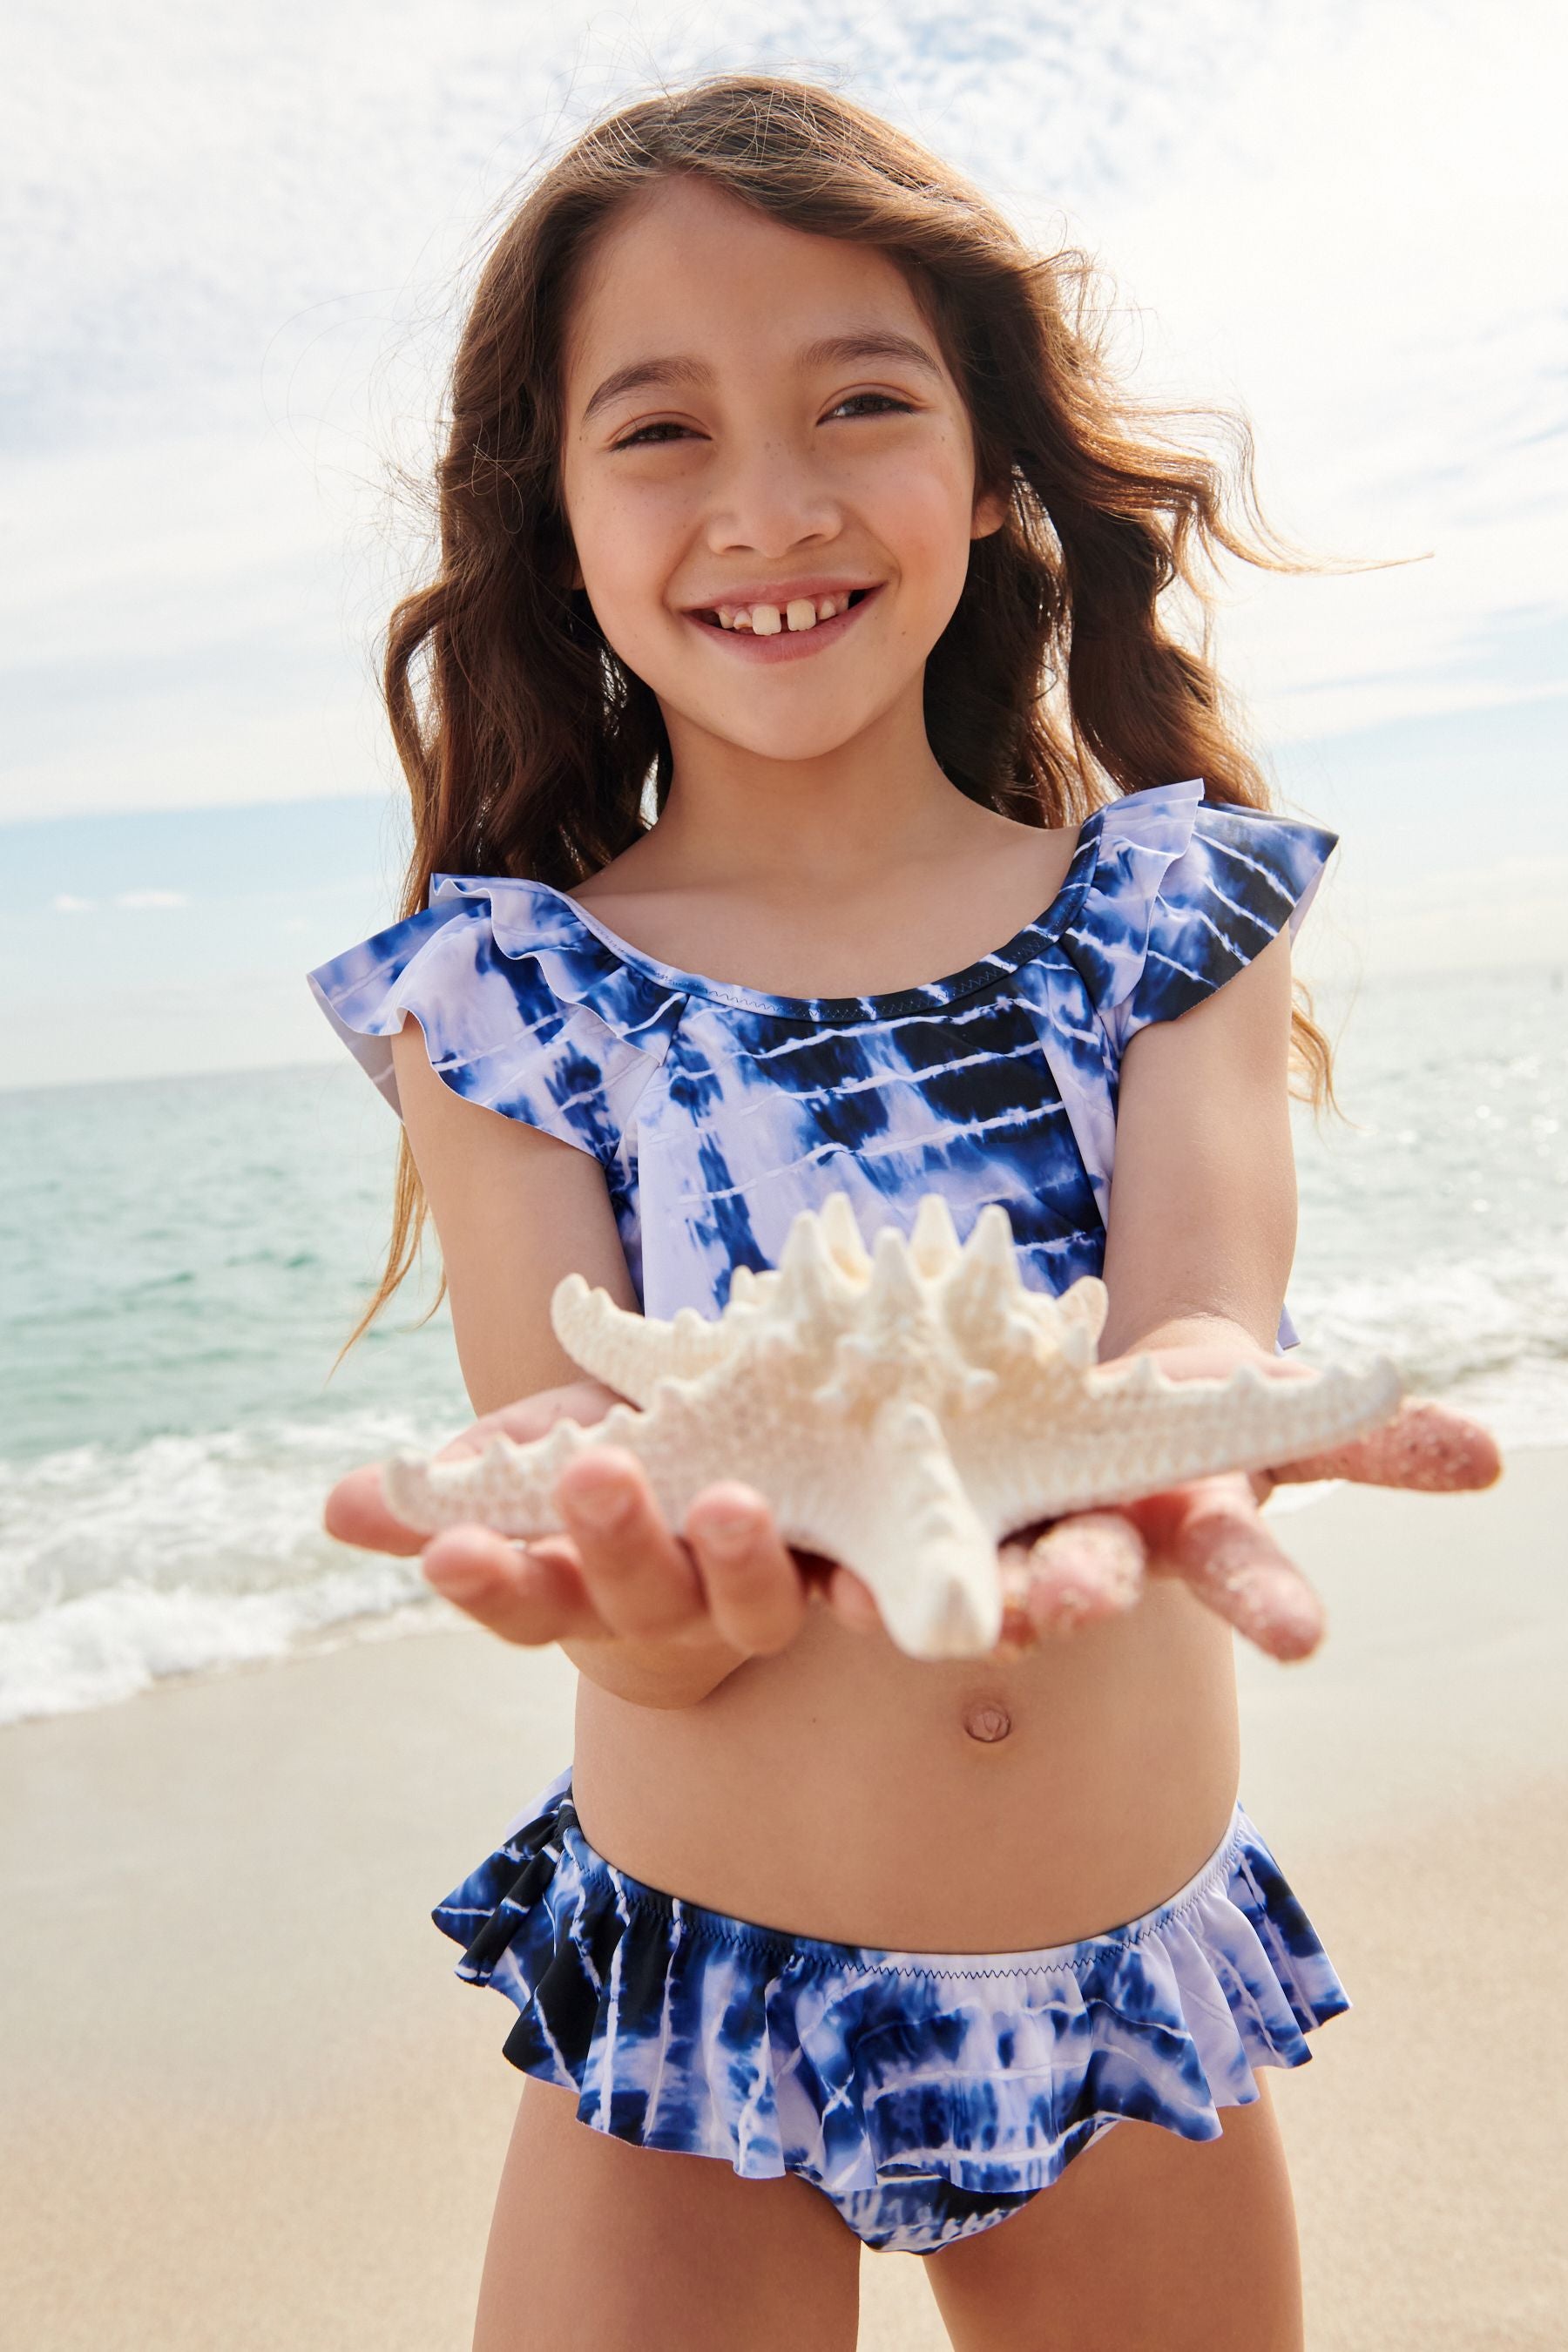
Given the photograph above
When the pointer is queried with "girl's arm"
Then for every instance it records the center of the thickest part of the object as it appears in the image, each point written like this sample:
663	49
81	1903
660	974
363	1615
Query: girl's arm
1200	1240
1200	1237
1202	1229
515	1209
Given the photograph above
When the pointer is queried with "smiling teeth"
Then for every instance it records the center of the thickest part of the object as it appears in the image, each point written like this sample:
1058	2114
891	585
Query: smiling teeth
767	621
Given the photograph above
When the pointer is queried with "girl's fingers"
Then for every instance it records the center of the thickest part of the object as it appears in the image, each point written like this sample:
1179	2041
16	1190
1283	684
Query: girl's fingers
1085	1566
1215	1540
530	1596
1426	1446
356	1513
639	1578
755	1593
852	1601
585	1401
1089	1564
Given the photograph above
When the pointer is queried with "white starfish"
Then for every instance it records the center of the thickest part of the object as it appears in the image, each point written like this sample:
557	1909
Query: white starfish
901	1412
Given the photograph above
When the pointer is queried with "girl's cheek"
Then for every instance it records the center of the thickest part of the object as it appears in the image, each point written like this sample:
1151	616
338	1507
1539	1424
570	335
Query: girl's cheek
638	543
928	503
933	546
624	552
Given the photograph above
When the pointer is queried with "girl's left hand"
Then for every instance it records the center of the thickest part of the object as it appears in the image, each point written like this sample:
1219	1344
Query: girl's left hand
1209	1532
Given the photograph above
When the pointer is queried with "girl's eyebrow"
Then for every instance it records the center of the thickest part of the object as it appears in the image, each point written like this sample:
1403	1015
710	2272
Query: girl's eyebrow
884	344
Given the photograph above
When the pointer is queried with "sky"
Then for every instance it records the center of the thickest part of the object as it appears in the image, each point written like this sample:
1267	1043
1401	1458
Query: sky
235	244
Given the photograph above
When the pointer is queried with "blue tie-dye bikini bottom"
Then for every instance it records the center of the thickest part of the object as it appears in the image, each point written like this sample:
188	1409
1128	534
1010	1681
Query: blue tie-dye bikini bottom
929	2095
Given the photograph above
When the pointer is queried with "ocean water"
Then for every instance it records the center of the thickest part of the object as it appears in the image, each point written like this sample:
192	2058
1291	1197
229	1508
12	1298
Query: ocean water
181	1260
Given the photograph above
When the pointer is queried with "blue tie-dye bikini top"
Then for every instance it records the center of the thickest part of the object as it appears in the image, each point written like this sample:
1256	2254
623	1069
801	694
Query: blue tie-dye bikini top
717	1112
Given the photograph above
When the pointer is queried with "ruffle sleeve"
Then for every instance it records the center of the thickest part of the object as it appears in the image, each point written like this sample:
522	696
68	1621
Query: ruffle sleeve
1185	892
525	1011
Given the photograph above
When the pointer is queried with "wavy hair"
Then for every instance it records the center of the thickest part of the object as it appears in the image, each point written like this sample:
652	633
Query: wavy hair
1070	671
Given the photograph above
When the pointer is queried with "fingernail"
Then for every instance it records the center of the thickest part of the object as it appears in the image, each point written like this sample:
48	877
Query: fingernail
603	1508
728	1531
456	1579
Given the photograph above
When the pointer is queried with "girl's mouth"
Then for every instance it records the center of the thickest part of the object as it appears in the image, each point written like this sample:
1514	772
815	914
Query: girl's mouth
784	632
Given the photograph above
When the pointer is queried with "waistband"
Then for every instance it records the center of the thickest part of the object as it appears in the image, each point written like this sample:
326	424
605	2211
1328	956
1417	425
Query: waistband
566	1832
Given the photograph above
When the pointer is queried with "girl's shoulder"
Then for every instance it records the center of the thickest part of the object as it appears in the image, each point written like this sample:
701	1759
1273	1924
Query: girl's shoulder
525	1009
1184	892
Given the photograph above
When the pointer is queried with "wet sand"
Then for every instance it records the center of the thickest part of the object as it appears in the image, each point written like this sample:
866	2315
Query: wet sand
247	2104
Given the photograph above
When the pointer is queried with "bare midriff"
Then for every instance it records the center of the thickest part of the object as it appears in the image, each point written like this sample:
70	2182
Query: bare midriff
841	1789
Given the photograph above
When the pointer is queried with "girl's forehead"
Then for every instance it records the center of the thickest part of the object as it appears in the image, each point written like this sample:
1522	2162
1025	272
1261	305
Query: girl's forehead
684	260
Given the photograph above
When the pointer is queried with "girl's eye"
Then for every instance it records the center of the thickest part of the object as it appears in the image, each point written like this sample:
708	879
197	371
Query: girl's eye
899	407
643	431
651	436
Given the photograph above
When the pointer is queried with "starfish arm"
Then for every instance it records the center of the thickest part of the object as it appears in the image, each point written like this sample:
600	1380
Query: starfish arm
742	1422
1136	1432
912	1535
684	1440
631	1353
508	1486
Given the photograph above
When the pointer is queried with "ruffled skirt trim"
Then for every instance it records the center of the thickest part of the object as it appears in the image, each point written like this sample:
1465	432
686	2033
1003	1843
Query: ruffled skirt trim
683	2028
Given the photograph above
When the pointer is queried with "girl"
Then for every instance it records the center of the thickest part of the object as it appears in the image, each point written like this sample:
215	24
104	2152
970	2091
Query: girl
783	482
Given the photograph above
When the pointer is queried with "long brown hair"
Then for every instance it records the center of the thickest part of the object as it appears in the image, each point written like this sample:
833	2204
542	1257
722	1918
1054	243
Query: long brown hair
1059	681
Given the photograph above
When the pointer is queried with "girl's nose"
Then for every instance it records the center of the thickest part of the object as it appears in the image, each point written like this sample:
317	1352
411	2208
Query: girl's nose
769	499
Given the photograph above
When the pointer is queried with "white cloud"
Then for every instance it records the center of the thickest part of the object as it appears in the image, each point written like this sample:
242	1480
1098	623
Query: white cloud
64	904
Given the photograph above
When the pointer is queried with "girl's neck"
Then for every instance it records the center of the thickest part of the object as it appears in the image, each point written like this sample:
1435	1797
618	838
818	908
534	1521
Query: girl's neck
737	819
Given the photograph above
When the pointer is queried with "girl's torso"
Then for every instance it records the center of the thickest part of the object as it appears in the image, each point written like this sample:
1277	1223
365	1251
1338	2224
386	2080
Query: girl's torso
843	1789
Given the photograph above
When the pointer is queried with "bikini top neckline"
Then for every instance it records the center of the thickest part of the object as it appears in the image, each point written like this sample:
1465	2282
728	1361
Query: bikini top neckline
1023	948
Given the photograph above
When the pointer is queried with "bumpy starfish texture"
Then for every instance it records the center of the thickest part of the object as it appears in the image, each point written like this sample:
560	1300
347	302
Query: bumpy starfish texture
902	1411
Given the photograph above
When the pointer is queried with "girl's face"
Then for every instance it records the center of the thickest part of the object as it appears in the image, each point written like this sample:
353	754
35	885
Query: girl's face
759	425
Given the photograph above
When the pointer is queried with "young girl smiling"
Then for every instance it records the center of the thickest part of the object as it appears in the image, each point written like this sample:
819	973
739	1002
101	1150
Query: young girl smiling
781	482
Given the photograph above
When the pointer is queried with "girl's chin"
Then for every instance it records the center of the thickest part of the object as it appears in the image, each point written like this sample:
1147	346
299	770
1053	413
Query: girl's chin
820	737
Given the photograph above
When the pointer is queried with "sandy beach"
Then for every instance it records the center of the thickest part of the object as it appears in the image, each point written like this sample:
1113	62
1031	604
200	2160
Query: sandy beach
248	2105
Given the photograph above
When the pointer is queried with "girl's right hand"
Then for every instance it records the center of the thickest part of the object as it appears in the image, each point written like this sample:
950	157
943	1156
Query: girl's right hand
655	1616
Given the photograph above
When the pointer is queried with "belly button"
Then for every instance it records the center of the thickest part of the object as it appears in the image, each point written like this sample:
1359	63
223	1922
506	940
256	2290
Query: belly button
988	1720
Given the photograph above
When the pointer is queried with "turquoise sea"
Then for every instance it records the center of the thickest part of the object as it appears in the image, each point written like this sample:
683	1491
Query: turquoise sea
181	1259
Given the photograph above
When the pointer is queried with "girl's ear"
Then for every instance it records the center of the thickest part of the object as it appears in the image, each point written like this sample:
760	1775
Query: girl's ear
990	514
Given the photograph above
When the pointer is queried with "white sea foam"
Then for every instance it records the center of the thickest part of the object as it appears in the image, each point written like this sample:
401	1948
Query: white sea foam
109	1645
186	1553
1489	1337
